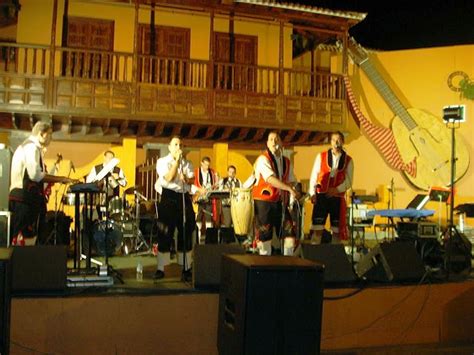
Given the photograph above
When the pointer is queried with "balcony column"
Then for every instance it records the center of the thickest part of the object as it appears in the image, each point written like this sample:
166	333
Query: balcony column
220	158
52	55
135	59
281	79
210	71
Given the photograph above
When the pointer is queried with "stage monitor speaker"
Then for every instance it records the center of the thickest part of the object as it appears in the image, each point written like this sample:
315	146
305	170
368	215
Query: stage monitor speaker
458	254
5	300
39	268
207	263
338	267
5	162
395	261
270	305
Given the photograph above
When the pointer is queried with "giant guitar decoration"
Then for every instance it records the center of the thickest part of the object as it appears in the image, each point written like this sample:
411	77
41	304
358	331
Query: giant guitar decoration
420	137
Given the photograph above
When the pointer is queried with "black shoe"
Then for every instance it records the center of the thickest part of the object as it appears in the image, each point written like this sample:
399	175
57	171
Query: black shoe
158	275
187	275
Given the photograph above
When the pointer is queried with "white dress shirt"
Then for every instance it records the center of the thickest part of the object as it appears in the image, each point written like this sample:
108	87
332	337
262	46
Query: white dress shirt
264	168
27	157
163	166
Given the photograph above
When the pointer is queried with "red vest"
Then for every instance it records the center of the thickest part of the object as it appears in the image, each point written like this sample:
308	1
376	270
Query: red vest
324	180
198	177
264	191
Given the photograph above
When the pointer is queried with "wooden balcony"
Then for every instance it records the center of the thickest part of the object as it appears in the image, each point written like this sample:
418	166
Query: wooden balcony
96	95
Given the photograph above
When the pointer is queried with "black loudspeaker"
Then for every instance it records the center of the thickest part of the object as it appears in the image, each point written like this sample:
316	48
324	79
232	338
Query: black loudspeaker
5	219
269	305
38	268
207	263
5	162
458	253
396	261
5	300
338	267
220	235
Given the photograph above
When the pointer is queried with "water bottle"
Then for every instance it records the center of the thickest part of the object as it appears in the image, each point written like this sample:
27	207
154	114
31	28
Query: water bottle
139	271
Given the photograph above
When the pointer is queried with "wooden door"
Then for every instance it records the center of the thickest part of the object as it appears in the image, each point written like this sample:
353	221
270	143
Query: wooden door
236	66
89	34
166	60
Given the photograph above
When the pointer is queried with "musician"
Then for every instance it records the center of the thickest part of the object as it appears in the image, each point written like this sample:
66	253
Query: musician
205	180
28	177
331	177
175	178
228	183
115	179
274	176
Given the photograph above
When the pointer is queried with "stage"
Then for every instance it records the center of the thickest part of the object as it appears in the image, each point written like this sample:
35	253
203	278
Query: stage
171	317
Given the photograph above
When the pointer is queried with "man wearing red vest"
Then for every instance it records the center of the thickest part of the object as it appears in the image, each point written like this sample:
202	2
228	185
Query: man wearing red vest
331	177
274	174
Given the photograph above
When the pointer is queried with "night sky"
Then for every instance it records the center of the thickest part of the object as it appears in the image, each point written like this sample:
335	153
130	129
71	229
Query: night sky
405	24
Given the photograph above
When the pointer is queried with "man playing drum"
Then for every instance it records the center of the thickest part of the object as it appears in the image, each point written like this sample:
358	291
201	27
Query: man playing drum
274	176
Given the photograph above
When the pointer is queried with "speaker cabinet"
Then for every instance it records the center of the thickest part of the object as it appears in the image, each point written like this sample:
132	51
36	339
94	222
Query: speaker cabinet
5	163
270	305
39	268
338	268
396	261
5	300
207	263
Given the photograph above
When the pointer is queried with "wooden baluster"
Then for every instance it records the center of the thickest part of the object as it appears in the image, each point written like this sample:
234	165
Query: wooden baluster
43	61
16	57
34	60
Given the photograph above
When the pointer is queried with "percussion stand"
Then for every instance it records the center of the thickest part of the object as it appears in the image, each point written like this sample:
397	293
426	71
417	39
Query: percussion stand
54	232
110	268
139	239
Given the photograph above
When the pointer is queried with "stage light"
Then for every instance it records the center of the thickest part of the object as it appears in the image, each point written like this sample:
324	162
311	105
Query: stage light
454	113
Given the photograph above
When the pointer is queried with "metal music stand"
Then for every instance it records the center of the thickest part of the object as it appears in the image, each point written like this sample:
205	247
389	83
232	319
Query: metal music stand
105	173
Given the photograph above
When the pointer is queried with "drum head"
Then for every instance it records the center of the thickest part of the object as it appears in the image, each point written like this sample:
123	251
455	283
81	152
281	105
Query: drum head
107	239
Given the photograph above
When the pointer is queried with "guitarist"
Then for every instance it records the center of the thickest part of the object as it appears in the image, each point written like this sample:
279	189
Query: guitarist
331	177
205	180
28	176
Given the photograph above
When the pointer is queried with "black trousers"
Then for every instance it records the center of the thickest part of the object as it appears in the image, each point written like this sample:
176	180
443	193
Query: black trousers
170	214
26	208
268	215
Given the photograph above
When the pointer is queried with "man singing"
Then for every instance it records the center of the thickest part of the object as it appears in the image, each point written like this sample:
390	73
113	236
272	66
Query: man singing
175	177
274	176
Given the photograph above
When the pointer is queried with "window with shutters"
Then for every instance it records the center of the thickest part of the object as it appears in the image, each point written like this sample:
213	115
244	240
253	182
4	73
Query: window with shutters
84	34
164	59
236	60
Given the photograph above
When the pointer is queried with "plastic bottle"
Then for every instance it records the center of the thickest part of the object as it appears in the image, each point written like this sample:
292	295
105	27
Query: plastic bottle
139	271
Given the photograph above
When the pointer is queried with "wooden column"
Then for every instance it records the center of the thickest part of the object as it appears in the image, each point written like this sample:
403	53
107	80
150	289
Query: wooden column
52	56
135	59
210	73
152	41
345	57
281	79
65	24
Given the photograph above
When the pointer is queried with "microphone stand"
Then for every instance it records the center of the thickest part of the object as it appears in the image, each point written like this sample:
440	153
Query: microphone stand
183	201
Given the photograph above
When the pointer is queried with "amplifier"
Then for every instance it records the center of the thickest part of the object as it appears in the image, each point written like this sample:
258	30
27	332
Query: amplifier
417	230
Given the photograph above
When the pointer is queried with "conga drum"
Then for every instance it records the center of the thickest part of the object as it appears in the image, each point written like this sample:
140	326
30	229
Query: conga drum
241	210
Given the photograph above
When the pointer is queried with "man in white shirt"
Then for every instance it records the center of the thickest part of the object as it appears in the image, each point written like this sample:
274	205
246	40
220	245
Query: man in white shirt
274	179
28	176
175	211
331	177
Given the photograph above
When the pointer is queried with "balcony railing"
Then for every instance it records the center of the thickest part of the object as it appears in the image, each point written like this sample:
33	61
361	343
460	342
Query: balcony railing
90	81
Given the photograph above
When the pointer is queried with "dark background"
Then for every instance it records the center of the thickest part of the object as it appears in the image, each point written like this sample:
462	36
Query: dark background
404	24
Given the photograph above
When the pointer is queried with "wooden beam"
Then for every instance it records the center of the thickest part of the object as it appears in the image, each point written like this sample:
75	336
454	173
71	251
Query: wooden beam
106	125
158	129
177	129
289	136
258	135
210	132
303	138
141	129
123	127
193	131
242	134
227	132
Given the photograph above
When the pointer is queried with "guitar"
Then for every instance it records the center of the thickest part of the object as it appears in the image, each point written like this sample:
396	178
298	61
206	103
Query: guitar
417	134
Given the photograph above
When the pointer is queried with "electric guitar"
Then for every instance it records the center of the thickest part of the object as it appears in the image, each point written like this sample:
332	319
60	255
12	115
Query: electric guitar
417	133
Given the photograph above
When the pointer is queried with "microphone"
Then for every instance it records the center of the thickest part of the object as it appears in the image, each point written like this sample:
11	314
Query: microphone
72	167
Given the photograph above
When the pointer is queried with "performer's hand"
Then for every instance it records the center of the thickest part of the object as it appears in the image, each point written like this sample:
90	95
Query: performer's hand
313	199
178	155
115	176
295	194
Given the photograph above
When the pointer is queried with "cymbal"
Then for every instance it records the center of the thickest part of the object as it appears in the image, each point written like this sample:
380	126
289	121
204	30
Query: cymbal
131	190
